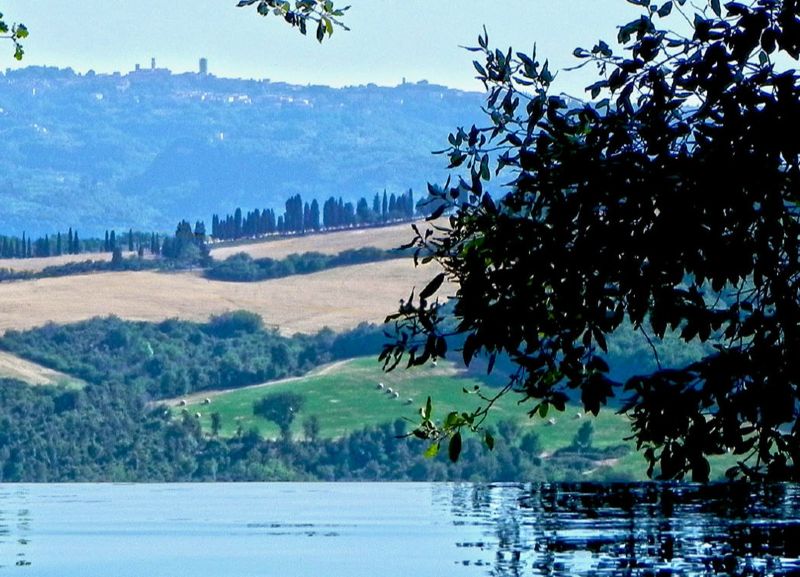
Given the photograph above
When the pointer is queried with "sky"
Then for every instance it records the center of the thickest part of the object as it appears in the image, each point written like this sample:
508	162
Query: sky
389	40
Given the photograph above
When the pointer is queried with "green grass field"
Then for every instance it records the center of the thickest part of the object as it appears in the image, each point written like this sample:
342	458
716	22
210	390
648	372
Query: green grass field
347	398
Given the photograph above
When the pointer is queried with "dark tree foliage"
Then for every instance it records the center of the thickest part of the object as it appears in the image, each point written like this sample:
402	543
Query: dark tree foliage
281	409
669	204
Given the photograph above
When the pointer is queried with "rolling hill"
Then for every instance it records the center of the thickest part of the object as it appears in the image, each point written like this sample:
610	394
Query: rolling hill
148	148
338	298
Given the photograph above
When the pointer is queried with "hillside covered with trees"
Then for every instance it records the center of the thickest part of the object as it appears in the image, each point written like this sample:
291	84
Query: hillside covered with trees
137	149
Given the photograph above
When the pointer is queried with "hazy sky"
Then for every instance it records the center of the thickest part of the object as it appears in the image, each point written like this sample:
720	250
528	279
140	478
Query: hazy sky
389	40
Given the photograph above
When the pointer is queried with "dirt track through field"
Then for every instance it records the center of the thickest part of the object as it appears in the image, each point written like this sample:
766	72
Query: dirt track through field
213	393
339	298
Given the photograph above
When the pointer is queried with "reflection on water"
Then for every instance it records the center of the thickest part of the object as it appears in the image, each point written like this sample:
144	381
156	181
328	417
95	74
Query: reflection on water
361	530
644	529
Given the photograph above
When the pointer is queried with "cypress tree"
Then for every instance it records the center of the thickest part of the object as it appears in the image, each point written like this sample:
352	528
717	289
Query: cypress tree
237	223
315	214
306	217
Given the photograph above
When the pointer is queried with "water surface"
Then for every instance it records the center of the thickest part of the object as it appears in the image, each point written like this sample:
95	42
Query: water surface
397	530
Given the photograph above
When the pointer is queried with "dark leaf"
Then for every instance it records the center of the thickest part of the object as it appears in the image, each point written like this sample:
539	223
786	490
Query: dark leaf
454	449
432	286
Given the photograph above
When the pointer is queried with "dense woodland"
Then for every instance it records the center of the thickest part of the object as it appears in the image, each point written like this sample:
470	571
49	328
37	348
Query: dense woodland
173	357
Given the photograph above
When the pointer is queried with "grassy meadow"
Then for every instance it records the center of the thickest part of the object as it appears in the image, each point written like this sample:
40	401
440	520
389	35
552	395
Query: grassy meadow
345	397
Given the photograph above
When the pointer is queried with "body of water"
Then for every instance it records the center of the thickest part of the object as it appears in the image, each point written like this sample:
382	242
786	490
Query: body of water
397	530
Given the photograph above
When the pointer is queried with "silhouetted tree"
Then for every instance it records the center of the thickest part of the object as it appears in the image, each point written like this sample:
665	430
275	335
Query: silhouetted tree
667	204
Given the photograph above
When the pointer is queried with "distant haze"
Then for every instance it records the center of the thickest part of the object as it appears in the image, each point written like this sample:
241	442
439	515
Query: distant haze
390	39
147	149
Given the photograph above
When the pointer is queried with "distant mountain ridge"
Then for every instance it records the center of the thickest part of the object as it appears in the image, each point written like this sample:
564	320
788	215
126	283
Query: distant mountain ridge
148	148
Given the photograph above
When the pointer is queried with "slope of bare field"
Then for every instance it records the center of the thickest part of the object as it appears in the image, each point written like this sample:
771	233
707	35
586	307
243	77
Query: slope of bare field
386	237
39	264
16	368
339	298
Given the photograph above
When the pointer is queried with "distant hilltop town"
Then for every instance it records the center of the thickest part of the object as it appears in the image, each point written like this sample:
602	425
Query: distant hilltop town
149	147
202	68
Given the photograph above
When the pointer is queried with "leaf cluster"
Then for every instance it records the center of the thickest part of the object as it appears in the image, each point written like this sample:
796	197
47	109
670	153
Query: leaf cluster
323	15
668	202
16	33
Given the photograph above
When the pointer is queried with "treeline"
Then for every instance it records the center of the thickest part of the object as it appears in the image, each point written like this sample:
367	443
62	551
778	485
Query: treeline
70	243
299	217
107	432
173	357
303	217
56	245
241	267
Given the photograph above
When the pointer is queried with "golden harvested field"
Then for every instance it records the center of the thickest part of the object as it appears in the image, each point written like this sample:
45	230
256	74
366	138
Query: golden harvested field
387	237
339	298
38	264
12	367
